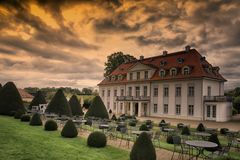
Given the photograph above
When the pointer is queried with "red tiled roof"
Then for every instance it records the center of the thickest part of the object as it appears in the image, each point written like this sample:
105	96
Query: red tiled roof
24	94
192	58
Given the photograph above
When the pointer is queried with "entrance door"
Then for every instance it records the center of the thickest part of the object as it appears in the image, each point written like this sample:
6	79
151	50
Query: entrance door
211	112
136	109
145	109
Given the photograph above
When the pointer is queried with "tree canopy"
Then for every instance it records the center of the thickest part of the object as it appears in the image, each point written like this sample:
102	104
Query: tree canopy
75	106
0	86
97	109
38	99
59	105
10	99
115	59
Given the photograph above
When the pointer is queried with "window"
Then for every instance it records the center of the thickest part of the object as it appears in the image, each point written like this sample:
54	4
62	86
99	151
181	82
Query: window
178	109
145	91
190	91
122	92
209	91
208	111
115	93
108	105
146	75
190	110
165	108
137	89
114	106
109	92
173	72
103	93
165	92
129	91
185	70
162	73
121	106
155	108
178	91
214	111
155	92
138	75
131	76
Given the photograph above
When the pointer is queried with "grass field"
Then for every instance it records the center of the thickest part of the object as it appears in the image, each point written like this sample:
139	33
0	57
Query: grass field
19	141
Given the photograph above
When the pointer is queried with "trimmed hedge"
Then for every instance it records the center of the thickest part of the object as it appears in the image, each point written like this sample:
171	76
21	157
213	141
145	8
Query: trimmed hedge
50	125
12	113
201	128
180	125
214	138
38	99
132	123
97	139
69	130
143	127
162	123
75	106
185	131
19	114
114	118
36	120
143	148
25	118
224	131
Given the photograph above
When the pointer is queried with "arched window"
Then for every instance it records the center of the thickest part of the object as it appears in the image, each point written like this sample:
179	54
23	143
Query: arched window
186	70
162	73
173	71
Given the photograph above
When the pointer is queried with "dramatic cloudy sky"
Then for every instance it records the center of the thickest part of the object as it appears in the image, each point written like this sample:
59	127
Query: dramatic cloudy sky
65	43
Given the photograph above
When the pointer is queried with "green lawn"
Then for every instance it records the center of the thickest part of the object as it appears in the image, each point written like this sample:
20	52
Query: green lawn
19	141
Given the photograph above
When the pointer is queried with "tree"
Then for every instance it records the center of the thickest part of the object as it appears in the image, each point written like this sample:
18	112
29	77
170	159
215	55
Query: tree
75	106
97	109
236	103
59	105
10	99
0	86
38	99
143	148
116	59
87	91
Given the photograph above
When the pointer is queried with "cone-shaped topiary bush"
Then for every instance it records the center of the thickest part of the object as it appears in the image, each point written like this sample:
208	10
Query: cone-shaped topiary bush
25	118
170	139
114	118
143	148
38	99
224	131
185	131
180	125
214	138
50	125
18	114
200	128
97	139
132	123
36	120
97	109
75	106
10	99
143	127
69	130
59	105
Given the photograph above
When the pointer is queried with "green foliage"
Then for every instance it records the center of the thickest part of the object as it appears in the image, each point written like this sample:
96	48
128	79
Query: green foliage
185	131
25	118
116	59
87	91
59	105
12	113
143	148
97	139
36	120
224	131
114	118
18	114
180	125
38	99
10	99
97	109
50	125
143	127
0	86
170	139
214	138
200	128
69	130
132	123
75	106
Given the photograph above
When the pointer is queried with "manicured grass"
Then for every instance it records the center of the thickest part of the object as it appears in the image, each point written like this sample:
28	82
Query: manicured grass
19	140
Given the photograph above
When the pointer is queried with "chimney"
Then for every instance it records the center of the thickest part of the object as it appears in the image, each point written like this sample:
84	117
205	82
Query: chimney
187	48
141	57
165	53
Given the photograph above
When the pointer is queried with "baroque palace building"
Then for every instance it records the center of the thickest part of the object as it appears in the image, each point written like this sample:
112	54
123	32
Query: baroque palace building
181	85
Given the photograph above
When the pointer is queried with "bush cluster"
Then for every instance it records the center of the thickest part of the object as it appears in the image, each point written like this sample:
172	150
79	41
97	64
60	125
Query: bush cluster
97	139
180	125
132	123
36	120
143	127
224	131
69	130
25	118
50	125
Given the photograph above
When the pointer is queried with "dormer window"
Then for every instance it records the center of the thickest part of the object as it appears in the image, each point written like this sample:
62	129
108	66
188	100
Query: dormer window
173	72
162	73
180	60
163	63
186	70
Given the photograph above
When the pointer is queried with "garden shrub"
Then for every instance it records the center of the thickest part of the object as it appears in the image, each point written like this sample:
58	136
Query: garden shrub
19	114
214	138
75	106
143	148
132	123
89	122
180	125
50	125
114	118
69	130
59	105
36	120
10	99
162	123
97	139
97	109
170	139
185	131
38	99
224	131
25	118
119	126
143	127
200	128
12	113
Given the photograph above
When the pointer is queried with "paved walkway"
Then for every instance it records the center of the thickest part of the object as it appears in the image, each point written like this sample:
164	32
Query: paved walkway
232	125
